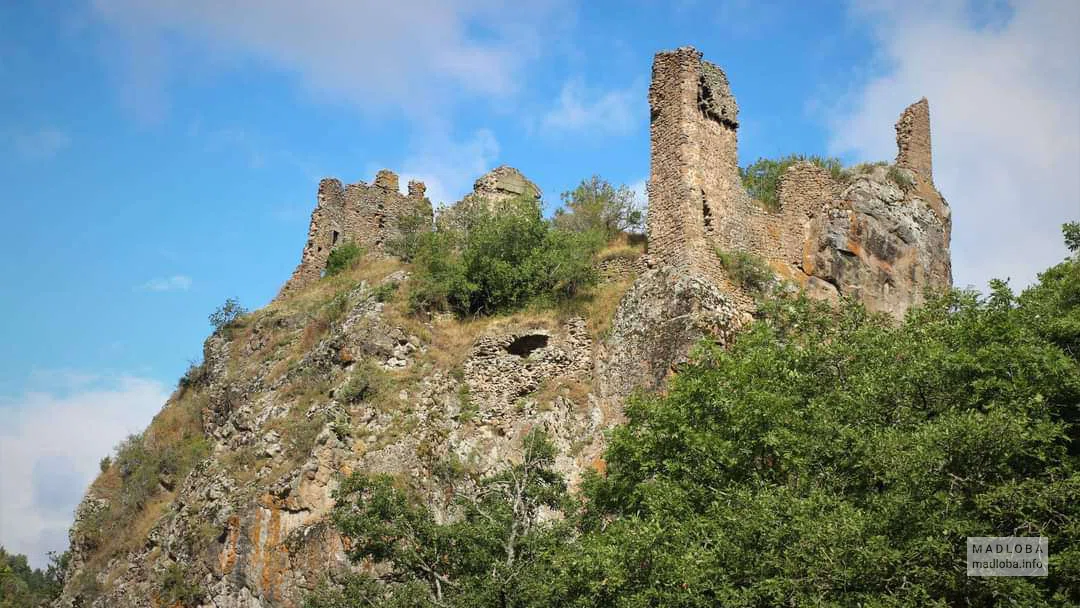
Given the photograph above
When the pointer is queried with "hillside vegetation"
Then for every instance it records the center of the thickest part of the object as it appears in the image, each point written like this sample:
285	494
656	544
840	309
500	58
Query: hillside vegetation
831	457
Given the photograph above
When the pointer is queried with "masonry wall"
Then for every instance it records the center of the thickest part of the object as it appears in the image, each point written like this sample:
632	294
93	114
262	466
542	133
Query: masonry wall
364	214
697	202
698	205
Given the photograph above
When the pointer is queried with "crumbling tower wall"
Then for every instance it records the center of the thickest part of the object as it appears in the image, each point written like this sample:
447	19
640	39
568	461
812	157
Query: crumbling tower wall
867	234
913	140
364	214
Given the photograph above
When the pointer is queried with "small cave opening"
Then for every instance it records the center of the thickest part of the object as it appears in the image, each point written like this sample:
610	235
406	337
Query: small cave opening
523	346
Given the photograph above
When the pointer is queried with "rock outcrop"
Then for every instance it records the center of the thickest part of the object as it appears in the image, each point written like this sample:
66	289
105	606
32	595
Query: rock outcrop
334	377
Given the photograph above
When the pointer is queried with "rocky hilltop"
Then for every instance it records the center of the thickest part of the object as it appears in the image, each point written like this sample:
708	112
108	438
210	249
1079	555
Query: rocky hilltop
335	375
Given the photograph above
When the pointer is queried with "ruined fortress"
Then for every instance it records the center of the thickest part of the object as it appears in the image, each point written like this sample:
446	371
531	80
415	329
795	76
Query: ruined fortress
366	215
865	234
250	526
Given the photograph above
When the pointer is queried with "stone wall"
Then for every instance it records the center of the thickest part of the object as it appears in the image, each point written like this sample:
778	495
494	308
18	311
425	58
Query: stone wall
698	205
364	214
913	139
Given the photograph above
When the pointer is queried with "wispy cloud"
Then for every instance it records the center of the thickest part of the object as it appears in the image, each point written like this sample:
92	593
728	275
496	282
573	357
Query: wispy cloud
42	143
449	166
1003	90
176	282
580	108
416	55
50	444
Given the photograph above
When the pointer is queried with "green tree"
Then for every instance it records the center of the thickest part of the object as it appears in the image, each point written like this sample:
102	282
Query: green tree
343	257
835	458
227	314
762	177
479	558
501	261
596	205
24	587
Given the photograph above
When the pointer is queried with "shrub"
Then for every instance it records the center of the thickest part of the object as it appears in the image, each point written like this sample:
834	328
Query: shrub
227	314
366	382
195	374
177	590
104	464
747	270
386	291
502	262
597	206
762	178
411	226
344	257
899	177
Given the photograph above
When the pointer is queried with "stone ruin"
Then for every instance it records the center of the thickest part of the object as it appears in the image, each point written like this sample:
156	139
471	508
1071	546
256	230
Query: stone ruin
363	214
865	236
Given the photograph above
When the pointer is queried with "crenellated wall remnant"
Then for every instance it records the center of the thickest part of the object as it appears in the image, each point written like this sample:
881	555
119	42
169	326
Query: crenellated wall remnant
881	234
363	214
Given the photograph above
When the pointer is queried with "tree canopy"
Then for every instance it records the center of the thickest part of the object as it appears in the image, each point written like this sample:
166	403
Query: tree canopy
830	457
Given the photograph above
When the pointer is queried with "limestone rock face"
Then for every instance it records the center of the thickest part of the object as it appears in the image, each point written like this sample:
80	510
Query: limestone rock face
881	244
660	318
250	523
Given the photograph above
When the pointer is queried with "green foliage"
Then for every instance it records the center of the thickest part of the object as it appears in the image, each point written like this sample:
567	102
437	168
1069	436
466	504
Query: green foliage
177	589
747	270
227	314
1072	236
104	464
386	291
411	227
597	206
364	384
501	262
24	587
899	178
479	558
834	458
762	177
343	257
830	457
196	371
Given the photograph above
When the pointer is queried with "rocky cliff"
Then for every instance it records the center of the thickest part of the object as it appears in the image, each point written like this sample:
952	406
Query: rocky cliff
223	501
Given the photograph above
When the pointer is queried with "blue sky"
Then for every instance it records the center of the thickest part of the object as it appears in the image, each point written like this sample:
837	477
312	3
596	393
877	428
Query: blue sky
161	156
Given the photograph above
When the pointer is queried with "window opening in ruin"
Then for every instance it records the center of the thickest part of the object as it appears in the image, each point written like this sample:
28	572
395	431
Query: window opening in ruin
334	238
523	346
706	213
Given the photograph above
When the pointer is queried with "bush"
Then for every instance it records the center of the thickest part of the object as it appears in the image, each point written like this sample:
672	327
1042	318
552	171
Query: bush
344	257
899	178
177	590
597	206
762	178
747	270
227	314
386	291
411	226
502	262
365	383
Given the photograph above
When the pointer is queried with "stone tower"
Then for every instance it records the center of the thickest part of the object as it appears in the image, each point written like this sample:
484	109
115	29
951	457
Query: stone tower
879	233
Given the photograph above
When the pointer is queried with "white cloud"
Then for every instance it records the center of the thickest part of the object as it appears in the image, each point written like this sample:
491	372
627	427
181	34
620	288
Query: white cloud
43	143
50	446
177	282
449	167
613	112
417	55
1005	119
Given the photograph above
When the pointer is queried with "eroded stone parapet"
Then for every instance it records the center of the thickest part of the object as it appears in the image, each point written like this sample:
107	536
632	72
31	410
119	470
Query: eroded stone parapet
366	215
913	140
